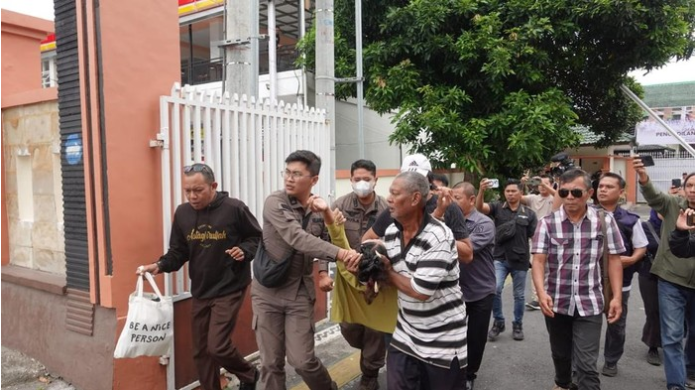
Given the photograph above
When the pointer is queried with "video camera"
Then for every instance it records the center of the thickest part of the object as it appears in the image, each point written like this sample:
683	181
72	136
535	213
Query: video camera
565	163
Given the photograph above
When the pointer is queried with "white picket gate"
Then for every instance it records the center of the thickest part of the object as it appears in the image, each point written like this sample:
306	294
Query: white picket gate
244	141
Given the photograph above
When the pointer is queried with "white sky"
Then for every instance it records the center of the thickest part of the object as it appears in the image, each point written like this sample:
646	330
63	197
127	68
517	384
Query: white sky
39	8
670	73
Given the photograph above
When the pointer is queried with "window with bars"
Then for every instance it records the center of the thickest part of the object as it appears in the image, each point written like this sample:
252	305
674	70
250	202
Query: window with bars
49	72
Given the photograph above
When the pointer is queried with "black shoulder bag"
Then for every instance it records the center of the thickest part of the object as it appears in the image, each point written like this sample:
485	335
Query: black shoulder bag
271	273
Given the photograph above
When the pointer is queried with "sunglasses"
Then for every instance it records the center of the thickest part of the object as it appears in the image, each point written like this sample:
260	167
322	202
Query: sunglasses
577	193
197	168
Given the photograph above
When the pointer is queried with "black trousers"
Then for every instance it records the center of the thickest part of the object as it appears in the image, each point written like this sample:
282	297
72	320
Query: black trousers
651	335
405	372
478	317
616	333
575	338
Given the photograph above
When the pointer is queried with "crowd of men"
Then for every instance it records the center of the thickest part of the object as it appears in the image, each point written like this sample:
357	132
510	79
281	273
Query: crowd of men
420	273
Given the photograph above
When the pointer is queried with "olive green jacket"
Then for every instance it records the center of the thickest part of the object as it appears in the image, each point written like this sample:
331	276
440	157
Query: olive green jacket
666	265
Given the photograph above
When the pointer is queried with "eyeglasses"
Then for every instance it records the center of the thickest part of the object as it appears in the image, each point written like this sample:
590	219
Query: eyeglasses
295	174
577	193
197	168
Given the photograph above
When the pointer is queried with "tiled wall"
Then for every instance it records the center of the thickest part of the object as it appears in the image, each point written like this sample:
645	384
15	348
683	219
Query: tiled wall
36	232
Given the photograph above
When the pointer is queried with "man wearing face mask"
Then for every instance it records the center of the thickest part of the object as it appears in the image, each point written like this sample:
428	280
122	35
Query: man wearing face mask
361	207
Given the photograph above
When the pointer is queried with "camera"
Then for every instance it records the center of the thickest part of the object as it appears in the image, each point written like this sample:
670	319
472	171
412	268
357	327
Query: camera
565	163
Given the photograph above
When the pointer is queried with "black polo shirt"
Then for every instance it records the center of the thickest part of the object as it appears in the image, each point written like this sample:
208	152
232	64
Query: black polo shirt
516	250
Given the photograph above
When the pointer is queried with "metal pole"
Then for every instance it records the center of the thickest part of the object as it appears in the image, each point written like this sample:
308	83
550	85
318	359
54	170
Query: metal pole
238	77
359	76
254	81
303	27
658	119
271	17
324	77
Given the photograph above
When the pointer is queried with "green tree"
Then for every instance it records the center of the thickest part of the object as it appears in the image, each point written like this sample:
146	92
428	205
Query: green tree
498	85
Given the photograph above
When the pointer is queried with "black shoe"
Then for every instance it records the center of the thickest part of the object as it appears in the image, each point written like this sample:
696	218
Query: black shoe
518	332
368	383
609	369
533	305
496	329
653	358
253	385
469	384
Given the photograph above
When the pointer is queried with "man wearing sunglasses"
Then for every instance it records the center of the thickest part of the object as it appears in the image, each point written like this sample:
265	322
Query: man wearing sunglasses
571	242
218	236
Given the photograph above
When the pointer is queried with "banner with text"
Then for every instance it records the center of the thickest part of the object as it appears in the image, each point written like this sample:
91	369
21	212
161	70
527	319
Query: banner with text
652	133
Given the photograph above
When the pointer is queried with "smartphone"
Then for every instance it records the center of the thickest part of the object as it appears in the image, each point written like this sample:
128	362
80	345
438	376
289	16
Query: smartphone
690	220
494	183
535	181
677	183
647	161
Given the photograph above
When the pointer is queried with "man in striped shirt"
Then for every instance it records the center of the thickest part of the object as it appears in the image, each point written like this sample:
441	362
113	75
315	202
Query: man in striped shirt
570	241
429	346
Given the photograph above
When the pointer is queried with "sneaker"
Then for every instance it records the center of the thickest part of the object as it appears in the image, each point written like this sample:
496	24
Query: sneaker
609	369
573	386
253	385
368	383
690	380
518	332
533	305
653	358
496	329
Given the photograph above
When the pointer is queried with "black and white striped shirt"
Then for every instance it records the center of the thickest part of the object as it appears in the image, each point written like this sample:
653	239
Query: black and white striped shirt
434	330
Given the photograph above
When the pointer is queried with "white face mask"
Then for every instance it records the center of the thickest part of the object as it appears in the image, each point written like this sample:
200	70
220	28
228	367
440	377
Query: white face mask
362	188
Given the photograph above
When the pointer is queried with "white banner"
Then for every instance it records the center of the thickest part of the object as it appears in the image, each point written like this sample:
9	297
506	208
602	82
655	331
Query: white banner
652	133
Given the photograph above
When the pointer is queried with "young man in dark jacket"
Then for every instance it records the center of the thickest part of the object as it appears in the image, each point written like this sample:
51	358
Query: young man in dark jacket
648	286
610	189
515	225
218	236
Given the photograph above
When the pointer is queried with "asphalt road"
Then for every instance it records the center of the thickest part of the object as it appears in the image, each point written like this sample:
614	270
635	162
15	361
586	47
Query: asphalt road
527	364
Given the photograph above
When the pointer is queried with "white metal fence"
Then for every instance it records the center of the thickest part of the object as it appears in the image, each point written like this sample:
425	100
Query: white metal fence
243	140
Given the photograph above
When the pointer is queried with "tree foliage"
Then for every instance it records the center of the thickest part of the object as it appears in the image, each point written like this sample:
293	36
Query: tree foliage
497	85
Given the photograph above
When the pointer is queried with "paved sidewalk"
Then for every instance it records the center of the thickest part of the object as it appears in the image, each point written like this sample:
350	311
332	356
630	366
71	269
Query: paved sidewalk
20	372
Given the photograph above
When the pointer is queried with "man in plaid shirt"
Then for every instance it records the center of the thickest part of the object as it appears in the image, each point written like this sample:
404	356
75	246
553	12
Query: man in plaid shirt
570	242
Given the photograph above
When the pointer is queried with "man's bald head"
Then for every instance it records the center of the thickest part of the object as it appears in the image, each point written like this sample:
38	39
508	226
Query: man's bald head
465	195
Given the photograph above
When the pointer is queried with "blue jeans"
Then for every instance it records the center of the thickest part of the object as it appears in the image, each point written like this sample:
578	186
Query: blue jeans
676	306
519	276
